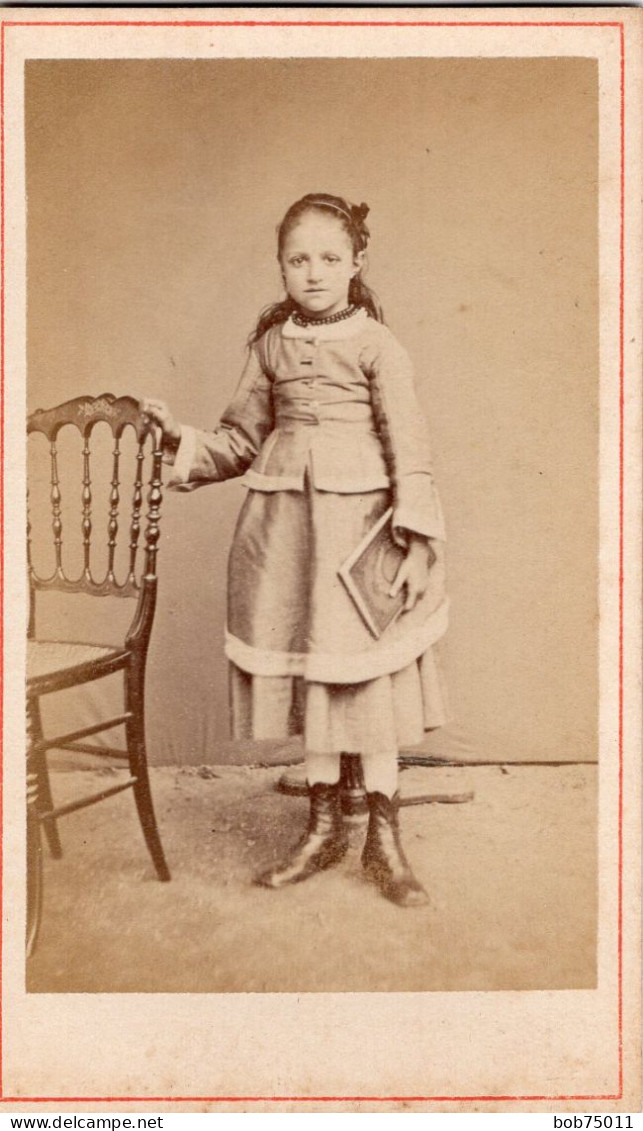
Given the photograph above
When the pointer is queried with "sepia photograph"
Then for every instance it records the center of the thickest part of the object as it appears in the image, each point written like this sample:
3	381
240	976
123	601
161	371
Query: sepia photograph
322	529
302	342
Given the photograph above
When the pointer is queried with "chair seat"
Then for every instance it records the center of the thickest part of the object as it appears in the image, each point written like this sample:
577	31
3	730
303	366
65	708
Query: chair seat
55	661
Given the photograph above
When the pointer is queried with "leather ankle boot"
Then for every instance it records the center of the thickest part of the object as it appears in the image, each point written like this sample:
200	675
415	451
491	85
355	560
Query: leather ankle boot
383	856
323	845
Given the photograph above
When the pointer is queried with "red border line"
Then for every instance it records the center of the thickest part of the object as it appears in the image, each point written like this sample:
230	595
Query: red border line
288	1099
2	277
2	355
621	570
310	23
345	24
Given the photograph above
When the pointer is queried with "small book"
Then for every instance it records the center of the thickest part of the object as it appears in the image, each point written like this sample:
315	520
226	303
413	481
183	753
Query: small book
369	573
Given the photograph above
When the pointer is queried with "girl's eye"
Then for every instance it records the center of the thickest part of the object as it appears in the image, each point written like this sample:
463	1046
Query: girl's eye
332	259
297	261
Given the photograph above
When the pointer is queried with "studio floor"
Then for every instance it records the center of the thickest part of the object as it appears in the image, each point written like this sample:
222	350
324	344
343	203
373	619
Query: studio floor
511	876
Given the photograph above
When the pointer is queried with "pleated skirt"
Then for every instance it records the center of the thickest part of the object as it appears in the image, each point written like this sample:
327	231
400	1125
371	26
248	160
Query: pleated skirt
302	660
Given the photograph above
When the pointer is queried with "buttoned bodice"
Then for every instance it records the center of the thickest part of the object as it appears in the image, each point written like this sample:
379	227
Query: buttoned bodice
336	402
322	412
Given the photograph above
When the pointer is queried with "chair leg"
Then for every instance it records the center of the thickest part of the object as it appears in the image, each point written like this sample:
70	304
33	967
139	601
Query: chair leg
45	799
34	848
137	754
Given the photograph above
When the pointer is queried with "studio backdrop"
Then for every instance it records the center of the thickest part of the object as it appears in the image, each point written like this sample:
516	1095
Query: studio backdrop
154	191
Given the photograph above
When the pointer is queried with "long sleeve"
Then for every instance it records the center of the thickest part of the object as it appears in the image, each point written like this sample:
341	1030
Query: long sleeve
207	457
403	431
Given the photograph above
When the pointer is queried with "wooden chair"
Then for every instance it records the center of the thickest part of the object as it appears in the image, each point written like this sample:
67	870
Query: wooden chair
55	665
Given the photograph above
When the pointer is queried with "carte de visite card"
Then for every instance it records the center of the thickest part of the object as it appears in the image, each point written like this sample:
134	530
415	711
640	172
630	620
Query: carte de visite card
459	191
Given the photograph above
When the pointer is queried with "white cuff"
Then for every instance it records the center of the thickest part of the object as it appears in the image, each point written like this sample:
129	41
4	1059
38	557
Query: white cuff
184	459
429	526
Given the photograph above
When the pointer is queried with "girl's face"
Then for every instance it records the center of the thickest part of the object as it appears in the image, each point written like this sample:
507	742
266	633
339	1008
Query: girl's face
318	264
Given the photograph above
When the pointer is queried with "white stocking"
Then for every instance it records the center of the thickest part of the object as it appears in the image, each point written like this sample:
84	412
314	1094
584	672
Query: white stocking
380	773
322	768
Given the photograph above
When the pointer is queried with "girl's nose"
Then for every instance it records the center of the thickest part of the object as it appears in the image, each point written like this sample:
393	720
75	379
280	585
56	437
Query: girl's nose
314	271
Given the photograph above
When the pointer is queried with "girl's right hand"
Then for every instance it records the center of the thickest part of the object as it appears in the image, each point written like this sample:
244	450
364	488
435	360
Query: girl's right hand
160	413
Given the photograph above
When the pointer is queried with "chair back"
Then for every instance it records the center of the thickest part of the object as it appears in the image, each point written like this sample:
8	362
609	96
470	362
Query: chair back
119	413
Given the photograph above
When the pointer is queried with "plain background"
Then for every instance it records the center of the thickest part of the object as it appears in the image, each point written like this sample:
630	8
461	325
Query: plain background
154	189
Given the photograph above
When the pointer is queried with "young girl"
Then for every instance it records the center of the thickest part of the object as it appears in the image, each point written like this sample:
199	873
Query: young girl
326	429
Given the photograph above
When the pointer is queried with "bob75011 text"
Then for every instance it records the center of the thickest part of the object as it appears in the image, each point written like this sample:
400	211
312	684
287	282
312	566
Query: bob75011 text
595	1122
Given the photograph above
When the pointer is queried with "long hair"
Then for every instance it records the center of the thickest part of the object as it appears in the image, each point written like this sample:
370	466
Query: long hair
352	218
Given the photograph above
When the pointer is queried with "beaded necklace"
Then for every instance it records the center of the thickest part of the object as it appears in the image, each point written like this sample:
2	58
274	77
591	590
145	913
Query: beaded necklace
303	320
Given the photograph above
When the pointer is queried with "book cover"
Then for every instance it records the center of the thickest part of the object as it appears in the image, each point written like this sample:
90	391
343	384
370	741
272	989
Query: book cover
369	573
